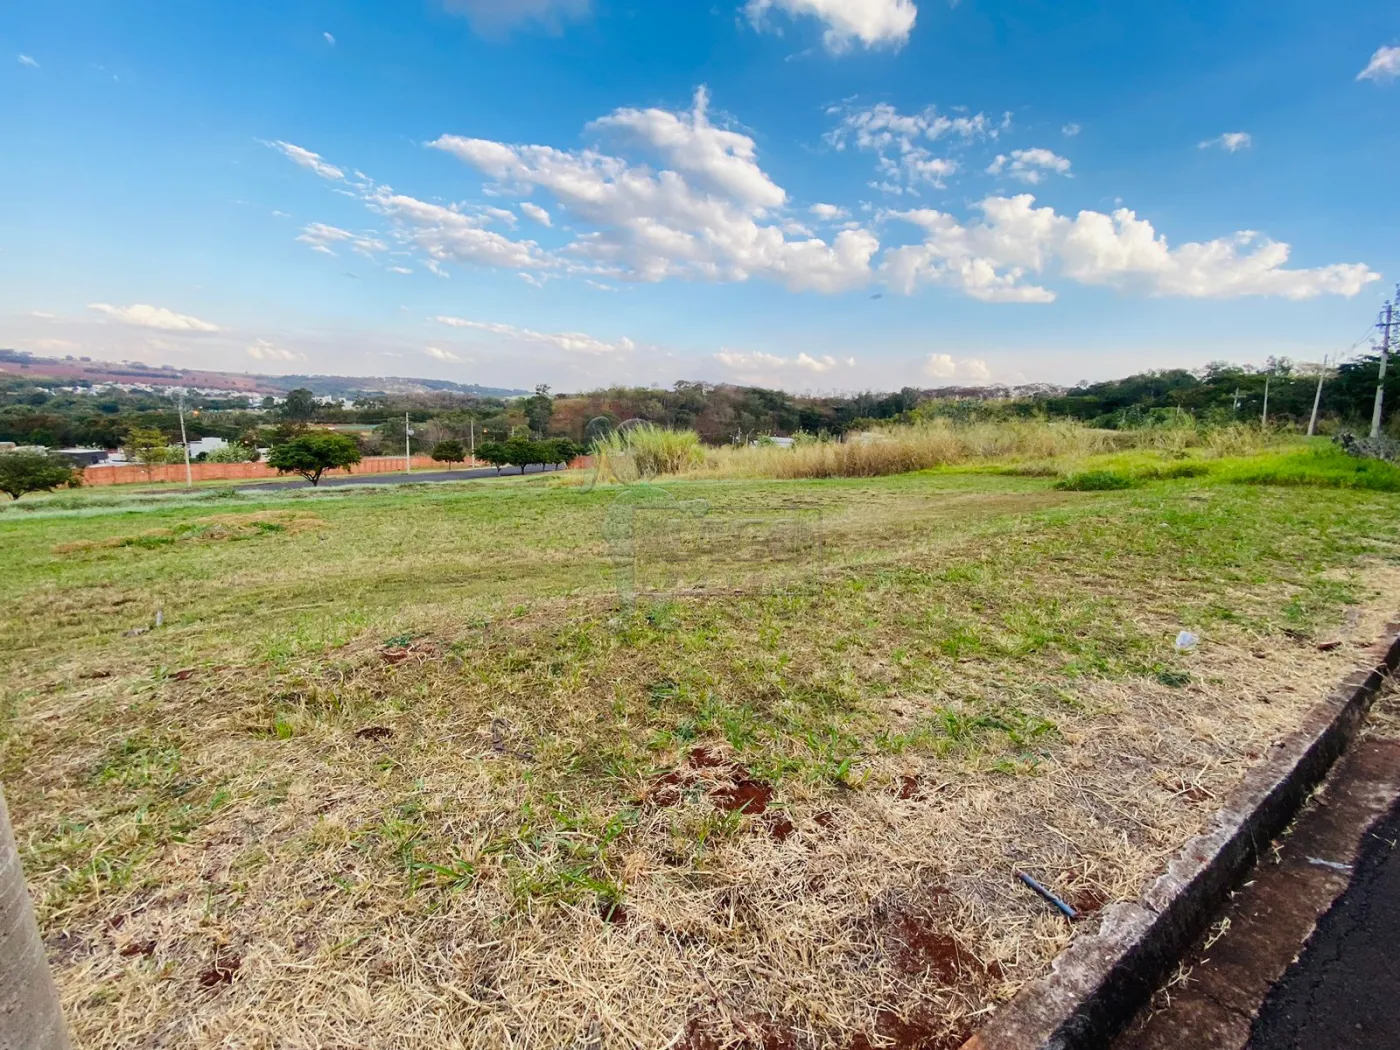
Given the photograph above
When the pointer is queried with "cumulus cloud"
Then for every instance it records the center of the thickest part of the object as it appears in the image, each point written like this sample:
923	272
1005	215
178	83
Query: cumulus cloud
1070	130
307	159
970	369
993	259
142	315
262	350
438	354
26	60
569	342
873	23
492	17
899	141
1384	65
709	215
534	211
1029	165
757	361
320	237
829	212
1230	142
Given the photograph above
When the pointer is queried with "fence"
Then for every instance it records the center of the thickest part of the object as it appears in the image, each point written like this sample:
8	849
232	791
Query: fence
133	473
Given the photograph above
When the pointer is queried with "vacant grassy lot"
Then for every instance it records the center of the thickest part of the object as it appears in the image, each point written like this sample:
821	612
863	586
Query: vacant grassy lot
397	769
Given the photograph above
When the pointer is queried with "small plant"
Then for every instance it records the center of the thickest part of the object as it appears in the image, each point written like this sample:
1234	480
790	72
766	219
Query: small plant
1095	481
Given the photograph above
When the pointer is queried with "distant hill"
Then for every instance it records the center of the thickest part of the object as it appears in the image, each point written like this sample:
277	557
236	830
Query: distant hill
71	369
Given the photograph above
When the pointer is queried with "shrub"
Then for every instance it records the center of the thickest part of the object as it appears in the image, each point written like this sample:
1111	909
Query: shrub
1095	481
233	453
27	471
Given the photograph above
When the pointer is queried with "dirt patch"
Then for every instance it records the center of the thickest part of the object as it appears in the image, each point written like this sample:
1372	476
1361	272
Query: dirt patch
735	792
613	913
761	1035
921	1031
221	971
907	787
374	733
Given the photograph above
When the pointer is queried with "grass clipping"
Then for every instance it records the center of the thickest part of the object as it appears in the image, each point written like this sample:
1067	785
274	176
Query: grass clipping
212	529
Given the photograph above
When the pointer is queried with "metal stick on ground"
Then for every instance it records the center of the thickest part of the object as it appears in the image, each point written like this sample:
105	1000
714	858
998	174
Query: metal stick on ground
30	1016
1317	399
1063	908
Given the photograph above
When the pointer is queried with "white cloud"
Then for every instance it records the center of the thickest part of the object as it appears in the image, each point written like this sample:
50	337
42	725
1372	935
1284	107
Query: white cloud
442	355
329	39
993	258
829	212
320	237
874	23
1070	130
898	140
448	233
1029	165
706	217
25	60
307	159
534	211
262	350
144	316
43	315
1230	142
970	369
758	361
495	16
399	269
570	342
1384	65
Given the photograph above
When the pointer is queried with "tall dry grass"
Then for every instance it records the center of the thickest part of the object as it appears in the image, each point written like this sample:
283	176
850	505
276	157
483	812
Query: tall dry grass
898	450
648	451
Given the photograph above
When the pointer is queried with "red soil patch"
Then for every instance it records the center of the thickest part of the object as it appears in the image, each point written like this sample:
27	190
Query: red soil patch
780	827
919	949
221	971
908	787
744	796
613	913
374	733
919	1032
766	1036
184	675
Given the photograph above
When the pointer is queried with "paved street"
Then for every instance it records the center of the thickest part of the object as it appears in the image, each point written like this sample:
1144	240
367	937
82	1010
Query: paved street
417	477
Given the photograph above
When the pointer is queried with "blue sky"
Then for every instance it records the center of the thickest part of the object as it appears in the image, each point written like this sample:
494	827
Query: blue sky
817	194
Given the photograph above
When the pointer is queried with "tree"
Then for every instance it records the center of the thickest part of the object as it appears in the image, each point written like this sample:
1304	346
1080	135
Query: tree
22	472
233	452
561	450
32	1016
300	405
311	455
147	446
521	452
538	409
493	452
450	451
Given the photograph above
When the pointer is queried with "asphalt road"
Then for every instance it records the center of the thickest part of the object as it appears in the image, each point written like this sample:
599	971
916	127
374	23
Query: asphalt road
1343	992
416	478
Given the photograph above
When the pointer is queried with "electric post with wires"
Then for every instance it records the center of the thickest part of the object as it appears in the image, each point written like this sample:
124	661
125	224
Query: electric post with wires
1386	325
407	448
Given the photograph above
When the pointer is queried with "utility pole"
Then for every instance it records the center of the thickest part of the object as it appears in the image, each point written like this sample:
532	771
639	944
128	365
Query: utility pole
1386	324
471	424
407	450
185	441
1264	419
1237	400
1317	398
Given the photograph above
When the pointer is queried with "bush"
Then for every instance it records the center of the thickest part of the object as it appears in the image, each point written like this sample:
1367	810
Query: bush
22	472
311	455
1095	481
233	453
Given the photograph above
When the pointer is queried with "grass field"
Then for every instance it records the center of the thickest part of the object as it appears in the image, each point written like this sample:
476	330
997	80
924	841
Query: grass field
399	769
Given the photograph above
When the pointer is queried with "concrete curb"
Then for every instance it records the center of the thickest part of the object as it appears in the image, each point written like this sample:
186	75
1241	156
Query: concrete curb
1098	984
